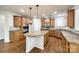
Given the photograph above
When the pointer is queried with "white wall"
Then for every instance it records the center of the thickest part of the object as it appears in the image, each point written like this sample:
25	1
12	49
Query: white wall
76	18
61	21
4	27
2	18
8	23
9	17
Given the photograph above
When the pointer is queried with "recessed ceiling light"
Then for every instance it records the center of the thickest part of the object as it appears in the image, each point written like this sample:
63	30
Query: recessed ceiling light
59	15
46	16
55	12
72	8
22	10
43	14
34	16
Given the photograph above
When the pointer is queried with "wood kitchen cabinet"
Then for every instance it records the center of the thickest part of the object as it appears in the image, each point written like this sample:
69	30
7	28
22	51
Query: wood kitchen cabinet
52	22
55	33
17	21
24	21
20	21
52	33
43	22
71	18
65	45
46	38
16	35
74	48
69	47
49	21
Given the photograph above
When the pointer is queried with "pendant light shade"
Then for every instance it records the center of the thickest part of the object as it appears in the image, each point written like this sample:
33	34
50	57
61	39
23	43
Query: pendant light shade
30	20
36	22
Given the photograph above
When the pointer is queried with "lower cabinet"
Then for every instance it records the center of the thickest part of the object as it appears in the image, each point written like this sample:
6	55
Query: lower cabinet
46	38
65	44
55	33
51	32
74	48
69	47
15	35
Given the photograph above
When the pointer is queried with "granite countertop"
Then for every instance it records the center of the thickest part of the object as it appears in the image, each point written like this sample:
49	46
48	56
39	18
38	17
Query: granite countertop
35	34
71	37
14	29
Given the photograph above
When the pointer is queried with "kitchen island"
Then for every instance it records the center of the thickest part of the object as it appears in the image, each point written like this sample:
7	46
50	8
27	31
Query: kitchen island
35	39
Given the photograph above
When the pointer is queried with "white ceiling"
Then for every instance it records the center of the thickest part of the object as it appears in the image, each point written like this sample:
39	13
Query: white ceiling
46	10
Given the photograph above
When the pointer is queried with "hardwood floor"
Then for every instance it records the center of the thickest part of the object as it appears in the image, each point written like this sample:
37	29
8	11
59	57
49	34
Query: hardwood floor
13	47
53	46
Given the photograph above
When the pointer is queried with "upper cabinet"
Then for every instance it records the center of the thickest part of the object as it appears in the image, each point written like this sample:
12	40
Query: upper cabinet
50	22
24	21
47	22
17	21
43	22
71	18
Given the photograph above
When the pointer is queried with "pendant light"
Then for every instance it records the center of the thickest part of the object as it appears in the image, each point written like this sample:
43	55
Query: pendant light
30	20
36	22
37	10
30	12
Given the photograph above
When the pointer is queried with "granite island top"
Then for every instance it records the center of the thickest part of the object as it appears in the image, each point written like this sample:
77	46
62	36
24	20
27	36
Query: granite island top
34	34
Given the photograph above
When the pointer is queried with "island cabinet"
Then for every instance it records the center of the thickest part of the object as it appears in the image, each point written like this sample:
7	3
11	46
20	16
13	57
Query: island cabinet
71	16
16	35
46	38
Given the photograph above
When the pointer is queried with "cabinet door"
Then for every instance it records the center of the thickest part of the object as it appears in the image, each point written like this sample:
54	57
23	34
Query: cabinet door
17	21
42	22
46	38
21	35
71	18
52	33
47	22
52	22
11	36
74	48
15	35
24	22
